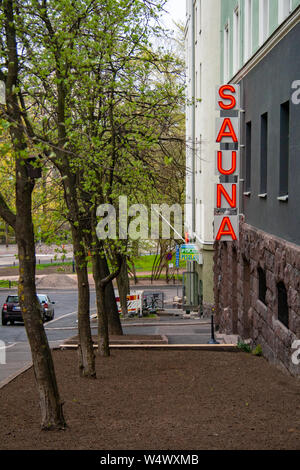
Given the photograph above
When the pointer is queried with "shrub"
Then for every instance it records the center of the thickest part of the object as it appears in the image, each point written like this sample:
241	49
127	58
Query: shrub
244	347
257	351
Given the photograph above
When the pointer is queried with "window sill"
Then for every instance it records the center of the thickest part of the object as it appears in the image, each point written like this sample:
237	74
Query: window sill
278	323
262	305
283	198
263	195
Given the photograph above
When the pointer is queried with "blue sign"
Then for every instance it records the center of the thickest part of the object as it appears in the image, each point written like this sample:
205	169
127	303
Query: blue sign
177	255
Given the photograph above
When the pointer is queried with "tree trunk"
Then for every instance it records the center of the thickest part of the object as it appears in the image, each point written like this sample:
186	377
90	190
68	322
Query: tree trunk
134	274
123	286
167	272
6	235
50	403
113	317
111	307
86	354
101	271
102	282
103	333
101	285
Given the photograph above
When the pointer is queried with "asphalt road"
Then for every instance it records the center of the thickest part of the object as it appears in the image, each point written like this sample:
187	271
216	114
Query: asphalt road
14	338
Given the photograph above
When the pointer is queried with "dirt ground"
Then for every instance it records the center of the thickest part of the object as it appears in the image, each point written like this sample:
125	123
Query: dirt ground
125	339
159	400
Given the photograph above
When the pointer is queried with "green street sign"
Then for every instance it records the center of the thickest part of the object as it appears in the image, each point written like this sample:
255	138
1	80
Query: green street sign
189	252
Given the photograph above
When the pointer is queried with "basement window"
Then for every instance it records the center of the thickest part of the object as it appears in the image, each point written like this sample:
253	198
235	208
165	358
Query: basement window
283	308
262	285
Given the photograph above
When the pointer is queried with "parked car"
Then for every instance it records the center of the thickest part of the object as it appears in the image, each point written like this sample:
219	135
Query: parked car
11	310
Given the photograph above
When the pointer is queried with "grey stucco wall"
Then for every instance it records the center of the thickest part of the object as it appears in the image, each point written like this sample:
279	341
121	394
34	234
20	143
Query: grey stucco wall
265	88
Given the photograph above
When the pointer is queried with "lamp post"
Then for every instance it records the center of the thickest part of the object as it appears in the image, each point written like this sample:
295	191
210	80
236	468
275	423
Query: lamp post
212	330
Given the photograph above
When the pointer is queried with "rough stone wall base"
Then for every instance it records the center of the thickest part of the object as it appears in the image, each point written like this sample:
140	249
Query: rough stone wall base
238	308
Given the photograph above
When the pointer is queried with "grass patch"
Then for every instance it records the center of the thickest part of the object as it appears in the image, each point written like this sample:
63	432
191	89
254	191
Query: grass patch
144	263
55	264
162	276
6	284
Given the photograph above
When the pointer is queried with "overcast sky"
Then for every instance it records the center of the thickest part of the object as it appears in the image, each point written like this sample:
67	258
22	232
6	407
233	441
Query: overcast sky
176	9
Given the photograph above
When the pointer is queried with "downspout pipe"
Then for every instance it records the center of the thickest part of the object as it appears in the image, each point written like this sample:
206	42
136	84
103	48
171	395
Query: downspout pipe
193	133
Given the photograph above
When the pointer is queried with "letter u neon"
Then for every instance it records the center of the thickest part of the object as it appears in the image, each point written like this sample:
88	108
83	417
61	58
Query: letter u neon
233	164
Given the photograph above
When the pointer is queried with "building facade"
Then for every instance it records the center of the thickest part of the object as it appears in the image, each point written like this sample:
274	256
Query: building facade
203	75
257	278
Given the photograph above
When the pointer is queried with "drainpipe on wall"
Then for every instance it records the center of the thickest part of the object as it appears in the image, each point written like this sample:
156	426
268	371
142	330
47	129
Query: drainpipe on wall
193	135
191	265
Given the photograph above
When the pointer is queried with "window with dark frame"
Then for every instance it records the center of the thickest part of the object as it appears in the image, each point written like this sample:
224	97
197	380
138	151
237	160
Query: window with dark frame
263	153
248	157
226	53
283	308
284	149
262	285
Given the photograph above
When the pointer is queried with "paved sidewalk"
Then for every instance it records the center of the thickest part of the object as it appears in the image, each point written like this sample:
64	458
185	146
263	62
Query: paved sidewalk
18	358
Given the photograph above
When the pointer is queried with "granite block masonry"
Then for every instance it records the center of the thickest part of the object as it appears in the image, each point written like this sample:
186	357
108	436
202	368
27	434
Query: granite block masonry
259	262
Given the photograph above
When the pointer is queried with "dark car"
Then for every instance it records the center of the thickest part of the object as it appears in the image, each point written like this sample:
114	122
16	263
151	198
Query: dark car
11	310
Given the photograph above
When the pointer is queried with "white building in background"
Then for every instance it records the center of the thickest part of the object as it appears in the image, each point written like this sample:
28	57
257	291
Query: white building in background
202	39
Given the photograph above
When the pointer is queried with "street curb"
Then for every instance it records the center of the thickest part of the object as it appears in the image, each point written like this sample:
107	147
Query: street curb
15	375
172	347
162	323
122	342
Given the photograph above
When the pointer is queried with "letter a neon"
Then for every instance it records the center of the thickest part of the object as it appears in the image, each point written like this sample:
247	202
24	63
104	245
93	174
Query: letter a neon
223	133
222	232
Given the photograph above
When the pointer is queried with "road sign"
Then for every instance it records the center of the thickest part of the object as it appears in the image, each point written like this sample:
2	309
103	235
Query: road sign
177	255
169	256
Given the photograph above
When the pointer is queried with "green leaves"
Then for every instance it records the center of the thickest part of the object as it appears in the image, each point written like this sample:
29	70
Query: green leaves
103	105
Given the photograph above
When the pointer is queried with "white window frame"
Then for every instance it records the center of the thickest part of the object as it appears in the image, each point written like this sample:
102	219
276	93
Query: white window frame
248	29
226	61
264	11
236	39
200	16
200	81
195	6
284	9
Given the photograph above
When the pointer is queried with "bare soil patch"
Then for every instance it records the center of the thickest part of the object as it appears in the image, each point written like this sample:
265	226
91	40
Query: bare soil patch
56	280
159	400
